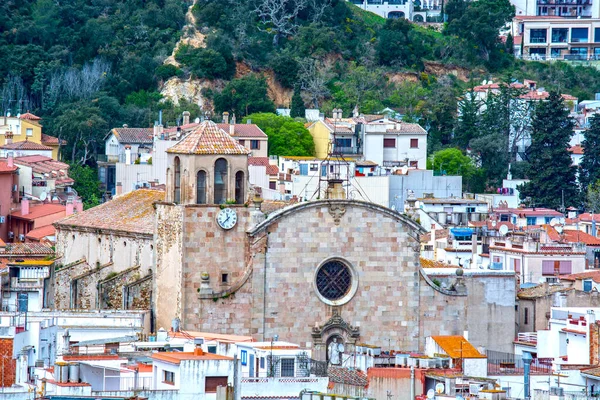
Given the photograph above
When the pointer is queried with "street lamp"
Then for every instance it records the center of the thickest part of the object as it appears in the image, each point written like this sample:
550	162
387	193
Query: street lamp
272	366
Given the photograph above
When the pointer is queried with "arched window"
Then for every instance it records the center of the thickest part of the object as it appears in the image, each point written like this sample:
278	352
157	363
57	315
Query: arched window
220	181
177	181
201	187
239	187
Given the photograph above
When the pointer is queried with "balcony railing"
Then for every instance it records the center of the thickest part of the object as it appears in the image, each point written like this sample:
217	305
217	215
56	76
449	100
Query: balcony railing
527	337
347	150
29	284
537	40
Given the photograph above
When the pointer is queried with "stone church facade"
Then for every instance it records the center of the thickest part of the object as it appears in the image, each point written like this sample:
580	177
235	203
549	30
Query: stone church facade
311	273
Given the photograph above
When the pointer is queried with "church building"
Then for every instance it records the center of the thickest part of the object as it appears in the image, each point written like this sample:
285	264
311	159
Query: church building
315	273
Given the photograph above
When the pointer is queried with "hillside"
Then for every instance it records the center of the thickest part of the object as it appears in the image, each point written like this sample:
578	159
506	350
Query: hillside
86	66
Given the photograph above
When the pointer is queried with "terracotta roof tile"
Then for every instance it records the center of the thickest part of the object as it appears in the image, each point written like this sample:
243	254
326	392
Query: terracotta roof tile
30	116
134	135
244	130
131	212
41	210
50	168
5	168
25	145
457	347
260	161
208	139
272	170
178	357
428	263
577	149
539	291
26	249
405	127
593	275
51	140
348	376
40	233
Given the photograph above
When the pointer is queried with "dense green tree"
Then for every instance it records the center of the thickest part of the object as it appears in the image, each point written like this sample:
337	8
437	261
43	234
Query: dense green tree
409	99
467	126
244	96
552	176
590	163
86	184
285	68
394	45
452	161
298	110
287	137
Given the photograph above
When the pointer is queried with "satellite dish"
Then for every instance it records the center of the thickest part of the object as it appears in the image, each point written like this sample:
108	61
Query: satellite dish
43	196
503	230
559	229
430	394
439	388
553	222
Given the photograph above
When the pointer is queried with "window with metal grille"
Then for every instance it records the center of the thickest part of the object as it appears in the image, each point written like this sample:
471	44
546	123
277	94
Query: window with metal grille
334	280
287	367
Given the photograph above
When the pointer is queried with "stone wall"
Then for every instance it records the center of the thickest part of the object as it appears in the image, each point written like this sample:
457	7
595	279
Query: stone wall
7	364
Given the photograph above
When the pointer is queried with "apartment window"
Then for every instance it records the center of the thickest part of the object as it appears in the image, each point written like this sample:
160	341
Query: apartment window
596	54
244	357
29	132
578	53
389	143
557	52
587	286
346	142
537	53
262	363
470	209
287	367
314	167
560	35
537	36
525	316
579	35
211	383
212	349
254	145
596	35
556	267
531	220
414	143
169	377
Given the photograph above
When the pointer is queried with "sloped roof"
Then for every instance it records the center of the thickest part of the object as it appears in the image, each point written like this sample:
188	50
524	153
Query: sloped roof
348	376
51	140
541	291
30	116
457	346
593	275
405	127
38	211
272	170
132	212
244	130
178	357
40	233
208	139
571	236
577	149
46	165
25	145
5	168
26	249
258	161
134	135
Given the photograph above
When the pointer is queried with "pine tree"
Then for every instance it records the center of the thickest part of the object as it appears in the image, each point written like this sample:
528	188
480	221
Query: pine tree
298	109
590	163
468	120
551	173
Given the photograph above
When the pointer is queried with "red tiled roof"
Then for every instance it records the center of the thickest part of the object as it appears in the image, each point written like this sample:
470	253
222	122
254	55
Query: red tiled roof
208	139
178	357
348	376
38	211
405	127
272	170
593	275
26	249
5	168
244	130
40	233
134	135
577	149
131	212
46	165
259	161
51	140
587	217
528	212
30	116
181	127
25	145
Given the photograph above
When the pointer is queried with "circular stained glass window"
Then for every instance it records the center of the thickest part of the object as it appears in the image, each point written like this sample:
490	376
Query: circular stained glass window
334	280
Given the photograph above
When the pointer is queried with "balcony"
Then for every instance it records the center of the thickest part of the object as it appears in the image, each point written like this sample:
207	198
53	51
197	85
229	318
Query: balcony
26	284
347	150
282	386
527	337
537	40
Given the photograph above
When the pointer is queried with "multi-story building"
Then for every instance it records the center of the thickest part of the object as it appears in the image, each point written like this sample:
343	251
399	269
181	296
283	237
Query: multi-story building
399	8
27	128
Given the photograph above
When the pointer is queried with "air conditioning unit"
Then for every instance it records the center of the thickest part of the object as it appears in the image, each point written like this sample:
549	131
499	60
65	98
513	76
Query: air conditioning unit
11	235
21	237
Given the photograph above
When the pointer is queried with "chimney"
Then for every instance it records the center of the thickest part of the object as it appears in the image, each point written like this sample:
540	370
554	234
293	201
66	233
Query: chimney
127	154
79	205
233	119
70	208
186	117
25	206
225	117
231	129
198	351
9	137
10	160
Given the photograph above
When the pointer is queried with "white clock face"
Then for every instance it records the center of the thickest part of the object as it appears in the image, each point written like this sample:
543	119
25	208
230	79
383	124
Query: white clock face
227	218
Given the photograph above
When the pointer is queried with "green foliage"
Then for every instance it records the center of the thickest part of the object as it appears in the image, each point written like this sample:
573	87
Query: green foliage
551	175
285	68
592	198
204	63
590	163
298	110
452	161
86	184
287	137
395	47
468	120
166	71
244	96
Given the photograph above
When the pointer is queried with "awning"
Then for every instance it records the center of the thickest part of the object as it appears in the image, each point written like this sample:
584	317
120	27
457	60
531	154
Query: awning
461	231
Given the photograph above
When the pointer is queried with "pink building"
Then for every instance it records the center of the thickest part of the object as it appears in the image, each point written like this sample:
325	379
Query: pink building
8	196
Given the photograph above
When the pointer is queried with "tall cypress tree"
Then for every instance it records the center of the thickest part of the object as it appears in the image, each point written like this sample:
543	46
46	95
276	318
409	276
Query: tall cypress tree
551	173
468	120
297	109
590	163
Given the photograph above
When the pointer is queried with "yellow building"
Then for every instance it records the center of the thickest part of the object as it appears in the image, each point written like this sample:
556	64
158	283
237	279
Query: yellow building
321	133
27	127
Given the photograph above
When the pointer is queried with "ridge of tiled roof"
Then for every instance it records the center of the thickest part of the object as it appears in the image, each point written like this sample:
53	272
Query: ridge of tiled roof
541	291
51	140
45	165
244	130
577	149
593	275
5	168
259	161
131	212
405	127
208	138
26	249
25	145
30	116
134	135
